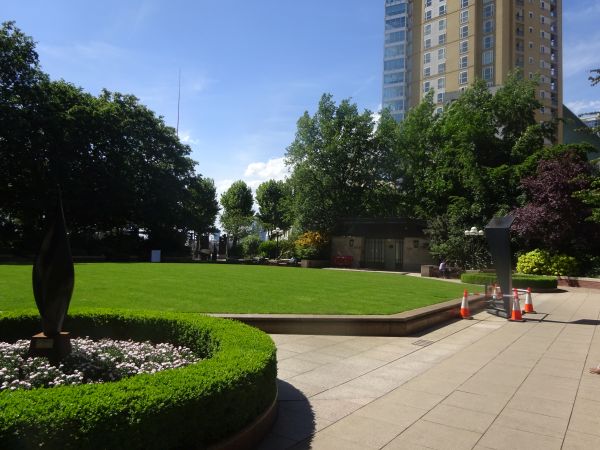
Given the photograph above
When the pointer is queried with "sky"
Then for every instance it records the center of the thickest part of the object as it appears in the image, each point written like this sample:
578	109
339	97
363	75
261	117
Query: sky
249	69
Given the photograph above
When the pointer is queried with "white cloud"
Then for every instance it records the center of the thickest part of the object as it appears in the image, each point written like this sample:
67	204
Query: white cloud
272	169
186	138
376	115
582	106
222	186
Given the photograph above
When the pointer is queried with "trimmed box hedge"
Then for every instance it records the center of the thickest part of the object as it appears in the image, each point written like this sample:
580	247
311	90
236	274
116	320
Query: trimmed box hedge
189	407
519	281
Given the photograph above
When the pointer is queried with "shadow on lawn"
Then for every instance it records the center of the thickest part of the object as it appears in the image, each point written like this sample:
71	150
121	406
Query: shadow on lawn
295	420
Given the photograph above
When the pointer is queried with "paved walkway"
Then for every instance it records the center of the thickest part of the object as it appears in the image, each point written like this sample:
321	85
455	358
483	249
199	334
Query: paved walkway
485	383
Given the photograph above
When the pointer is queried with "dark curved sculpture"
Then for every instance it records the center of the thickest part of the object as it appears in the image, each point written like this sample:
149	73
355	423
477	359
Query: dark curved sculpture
53	275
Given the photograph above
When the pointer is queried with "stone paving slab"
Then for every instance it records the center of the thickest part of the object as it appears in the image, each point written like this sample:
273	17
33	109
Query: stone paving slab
485	383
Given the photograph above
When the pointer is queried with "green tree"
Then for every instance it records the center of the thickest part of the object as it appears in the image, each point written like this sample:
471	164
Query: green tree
237	214
273	198
121	169
484	144
417	143
336	162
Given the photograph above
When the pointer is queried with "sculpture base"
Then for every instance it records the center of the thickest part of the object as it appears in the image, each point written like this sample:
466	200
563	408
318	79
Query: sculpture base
55	348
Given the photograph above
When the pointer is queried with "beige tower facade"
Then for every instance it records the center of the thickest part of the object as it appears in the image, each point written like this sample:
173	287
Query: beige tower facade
453	42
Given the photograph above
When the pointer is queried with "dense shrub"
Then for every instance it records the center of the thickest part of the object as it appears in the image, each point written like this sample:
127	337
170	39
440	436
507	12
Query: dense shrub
312	245
541	262
189	407
519	281
268	249
250	245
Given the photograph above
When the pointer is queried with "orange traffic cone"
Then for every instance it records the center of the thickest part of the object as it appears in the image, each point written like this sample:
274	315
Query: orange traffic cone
516	308
464	307
528	303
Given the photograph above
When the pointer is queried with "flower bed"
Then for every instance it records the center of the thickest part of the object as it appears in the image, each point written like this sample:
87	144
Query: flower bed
90	362
189	407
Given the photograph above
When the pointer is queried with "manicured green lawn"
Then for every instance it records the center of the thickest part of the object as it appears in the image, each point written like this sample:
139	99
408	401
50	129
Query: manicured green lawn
234	289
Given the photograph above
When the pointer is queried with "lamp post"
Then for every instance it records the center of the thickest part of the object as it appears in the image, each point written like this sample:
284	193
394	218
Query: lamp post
277	232
473	232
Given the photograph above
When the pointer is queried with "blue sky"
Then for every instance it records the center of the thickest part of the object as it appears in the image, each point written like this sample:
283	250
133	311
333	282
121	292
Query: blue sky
249	69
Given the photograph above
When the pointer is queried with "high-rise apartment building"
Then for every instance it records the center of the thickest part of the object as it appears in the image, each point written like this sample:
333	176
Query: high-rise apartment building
445	45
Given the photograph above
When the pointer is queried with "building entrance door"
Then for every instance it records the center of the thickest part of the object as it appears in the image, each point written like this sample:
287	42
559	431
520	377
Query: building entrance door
393	254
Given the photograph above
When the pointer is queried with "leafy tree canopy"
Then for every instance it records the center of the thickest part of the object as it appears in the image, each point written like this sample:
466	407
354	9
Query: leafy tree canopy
120	167
273	204
237	215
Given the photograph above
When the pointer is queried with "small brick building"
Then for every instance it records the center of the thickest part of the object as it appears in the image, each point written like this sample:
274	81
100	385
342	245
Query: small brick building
384	244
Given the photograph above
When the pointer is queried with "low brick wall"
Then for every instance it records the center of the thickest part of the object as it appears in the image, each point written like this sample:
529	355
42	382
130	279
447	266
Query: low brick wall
402	324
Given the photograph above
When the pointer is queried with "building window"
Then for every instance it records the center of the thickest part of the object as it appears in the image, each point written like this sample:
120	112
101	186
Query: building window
463	77
442	25
392	78
488	42
393	51
442	10
426	58
488	11
464	3
440	97
427	43
427	3
439	110
395	9
464	31
399	22
464	16
396	36
488	73
393	64
463	62
426	86
428	15
427	72
463	47
393	92
396	105
488	26
441	83
442	53
442	39
488	57
441	67
427	29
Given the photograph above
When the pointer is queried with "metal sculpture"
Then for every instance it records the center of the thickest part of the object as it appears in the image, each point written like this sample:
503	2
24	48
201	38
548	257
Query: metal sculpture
53	278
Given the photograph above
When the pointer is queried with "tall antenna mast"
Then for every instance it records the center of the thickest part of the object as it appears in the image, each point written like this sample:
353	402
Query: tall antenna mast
178	100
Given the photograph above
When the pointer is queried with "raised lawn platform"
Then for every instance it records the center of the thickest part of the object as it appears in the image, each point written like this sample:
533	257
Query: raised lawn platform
402	324
235	289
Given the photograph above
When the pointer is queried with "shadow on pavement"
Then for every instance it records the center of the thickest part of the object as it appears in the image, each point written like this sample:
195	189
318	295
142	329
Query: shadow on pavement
295	420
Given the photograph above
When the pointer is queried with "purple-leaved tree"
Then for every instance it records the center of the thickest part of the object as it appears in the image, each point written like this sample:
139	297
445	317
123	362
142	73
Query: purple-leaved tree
552	219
